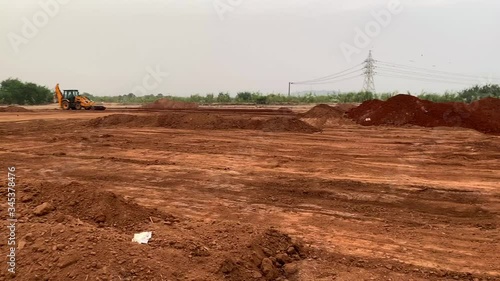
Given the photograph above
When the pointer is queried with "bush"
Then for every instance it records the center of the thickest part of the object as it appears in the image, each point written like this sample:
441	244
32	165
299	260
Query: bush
14	91
223	98
477	93
244	97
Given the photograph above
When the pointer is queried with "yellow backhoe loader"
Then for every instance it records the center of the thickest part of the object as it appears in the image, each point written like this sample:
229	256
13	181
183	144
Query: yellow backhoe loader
71	99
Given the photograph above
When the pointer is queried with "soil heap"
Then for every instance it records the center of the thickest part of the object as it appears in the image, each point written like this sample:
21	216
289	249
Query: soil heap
271	256
171	104
400	110
323	115
13	108
204	121
485	115
323	111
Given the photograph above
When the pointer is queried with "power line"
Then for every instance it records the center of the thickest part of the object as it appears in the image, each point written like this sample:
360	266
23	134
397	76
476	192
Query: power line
331	81
392	70
423	75
420	79
331	76
327	80
430	71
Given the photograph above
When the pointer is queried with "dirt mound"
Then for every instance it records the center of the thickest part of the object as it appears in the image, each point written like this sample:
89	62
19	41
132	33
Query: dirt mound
485	115
364	109
62	238
95	206
344	107
204	121
114	119
171	104
323	111
59	238
323	115
271	256
403	110
283	124
285	110
13	108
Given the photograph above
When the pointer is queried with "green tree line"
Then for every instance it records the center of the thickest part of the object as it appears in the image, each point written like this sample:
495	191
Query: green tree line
14	91
467	95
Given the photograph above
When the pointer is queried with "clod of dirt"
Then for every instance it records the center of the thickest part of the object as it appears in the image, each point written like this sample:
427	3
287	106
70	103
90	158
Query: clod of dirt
227	266
283	258
29	237
400	110
290	269
13	108
43	209
204	121
268	269
67	261
171	104
271	255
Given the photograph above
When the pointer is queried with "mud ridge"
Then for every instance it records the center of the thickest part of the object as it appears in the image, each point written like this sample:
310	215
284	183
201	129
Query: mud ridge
204	121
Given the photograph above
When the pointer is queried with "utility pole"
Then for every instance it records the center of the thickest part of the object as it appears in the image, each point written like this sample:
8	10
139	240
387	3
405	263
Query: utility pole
369	83
289	85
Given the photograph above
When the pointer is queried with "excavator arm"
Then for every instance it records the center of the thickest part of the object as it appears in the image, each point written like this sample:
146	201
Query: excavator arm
59	95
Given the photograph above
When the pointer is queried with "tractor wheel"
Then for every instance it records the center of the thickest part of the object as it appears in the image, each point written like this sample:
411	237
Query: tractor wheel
78	106
65	105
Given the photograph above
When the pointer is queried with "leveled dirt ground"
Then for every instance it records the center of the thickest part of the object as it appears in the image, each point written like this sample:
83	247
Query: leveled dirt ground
348	203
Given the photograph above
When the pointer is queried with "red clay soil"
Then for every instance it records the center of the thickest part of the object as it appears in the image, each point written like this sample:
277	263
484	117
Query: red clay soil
270	255
430	213
364	108
344	107
13	108
102	208
323	111
403	110
485	114
285	124
62	241
323	115
171	104
204	121
285	110
66	238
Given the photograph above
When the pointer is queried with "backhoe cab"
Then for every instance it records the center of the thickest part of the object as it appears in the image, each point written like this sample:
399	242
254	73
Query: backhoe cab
71	99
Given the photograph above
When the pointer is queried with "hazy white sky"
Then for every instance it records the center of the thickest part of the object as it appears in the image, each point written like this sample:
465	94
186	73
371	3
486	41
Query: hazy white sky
109	47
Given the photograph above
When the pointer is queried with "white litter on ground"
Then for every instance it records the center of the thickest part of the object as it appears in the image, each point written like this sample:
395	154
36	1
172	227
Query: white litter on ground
143	237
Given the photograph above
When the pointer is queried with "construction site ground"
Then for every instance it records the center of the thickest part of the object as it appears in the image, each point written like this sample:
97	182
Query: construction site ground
347	203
